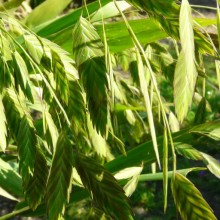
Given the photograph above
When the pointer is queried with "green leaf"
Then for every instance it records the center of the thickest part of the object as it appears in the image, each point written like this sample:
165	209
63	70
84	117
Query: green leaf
128	173
76	109
183	88
185	73
105	191
59	182
26	141
3	129
209	129
109	11
10	180
201	112
86	42
131	185
189	201
62	86
148	106
189	152
51	128
96	213
37	185
68	20
7	195
21	73
88	52
212	164
48	10
21	126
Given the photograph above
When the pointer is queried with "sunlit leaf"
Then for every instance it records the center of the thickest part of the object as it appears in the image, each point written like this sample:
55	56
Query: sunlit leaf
45	12
3	130
212	164
185	73
131	185
144	90
22	75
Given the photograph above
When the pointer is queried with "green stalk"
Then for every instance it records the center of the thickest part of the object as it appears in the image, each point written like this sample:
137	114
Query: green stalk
14	213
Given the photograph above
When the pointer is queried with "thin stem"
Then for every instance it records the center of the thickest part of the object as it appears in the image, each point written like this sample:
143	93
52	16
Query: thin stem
204	7
14	213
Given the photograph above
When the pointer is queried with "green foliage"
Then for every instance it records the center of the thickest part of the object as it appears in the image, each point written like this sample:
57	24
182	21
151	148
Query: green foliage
79	90
105	191
187	202
89	55
59	180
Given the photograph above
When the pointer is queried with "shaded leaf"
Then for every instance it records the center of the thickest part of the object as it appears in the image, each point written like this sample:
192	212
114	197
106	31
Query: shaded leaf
76	109
95	214
21	125
105	191
37	185
201	112
189	201
59	181
10	180
88	52
62	86
26	140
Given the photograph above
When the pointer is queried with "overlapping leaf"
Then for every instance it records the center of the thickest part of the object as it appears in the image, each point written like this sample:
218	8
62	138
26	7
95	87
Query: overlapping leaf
41	50
62	85
189	200
191	153
26	140
10	180
59	182
37	185
89	55
21	126
76	107
22	75
105	191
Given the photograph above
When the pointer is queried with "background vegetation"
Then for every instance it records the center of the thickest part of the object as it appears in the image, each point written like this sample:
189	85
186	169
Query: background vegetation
109	109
